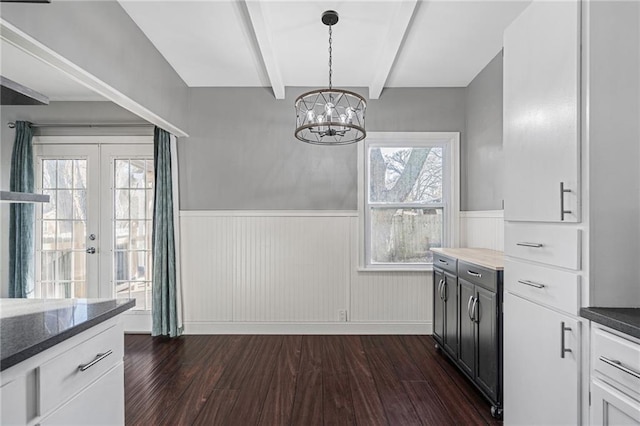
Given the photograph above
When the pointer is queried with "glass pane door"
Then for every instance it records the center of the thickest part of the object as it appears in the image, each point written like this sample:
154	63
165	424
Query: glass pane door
66	227
129	169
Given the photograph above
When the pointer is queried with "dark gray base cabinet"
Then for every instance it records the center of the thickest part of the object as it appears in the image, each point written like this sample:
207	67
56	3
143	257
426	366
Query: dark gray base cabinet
467	322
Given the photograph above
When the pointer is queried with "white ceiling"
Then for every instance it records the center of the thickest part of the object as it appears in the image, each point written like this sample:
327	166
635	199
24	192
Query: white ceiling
23	68
279	43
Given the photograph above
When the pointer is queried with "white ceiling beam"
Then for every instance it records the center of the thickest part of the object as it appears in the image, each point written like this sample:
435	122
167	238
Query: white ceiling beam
398	27
263	37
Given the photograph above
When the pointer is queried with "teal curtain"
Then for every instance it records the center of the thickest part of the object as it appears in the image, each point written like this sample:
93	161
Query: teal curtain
164	311
22	215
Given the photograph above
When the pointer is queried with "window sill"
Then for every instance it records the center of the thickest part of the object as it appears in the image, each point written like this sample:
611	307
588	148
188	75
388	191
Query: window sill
394	269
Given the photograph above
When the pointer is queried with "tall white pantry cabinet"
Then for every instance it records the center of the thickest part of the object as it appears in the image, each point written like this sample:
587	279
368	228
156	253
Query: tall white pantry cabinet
572	196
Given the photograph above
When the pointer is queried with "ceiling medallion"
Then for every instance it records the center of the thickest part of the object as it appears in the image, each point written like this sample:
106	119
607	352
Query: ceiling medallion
330	116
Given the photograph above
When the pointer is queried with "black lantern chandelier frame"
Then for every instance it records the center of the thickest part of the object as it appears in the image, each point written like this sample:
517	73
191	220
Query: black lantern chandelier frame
330	116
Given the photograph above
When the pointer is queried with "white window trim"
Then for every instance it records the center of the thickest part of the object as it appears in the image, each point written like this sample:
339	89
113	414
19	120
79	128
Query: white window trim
452	169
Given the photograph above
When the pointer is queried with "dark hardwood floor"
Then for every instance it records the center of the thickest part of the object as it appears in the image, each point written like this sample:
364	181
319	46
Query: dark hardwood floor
296	380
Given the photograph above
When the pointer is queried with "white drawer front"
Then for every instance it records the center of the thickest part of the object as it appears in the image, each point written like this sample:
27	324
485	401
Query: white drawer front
559	289
549	244
61	377
617	358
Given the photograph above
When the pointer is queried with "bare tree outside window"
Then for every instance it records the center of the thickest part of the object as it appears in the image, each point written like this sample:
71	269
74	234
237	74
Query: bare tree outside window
406	203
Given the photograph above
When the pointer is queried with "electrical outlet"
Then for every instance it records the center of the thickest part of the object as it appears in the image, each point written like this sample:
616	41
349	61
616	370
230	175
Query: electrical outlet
342	315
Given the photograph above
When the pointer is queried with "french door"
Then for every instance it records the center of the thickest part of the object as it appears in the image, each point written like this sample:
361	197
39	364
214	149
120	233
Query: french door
93	239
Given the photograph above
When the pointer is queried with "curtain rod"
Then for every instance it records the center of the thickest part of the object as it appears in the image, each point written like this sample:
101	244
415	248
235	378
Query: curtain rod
12	125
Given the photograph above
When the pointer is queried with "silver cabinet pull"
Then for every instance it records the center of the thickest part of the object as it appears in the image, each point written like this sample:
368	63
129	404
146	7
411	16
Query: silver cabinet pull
469	307
617	364
440	288
474	274
534	245
562	210
473	310
563	329
443	261
443	296
531	283
97	359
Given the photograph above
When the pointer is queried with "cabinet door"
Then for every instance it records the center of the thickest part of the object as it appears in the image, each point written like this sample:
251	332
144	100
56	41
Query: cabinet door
438	306
487	323
466	351
450	294
541	112
540	386
102	403
611	407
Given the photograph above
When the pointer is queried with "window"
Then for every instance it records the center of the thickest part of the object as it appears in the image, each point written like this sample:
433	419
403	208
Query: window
409	201
133	215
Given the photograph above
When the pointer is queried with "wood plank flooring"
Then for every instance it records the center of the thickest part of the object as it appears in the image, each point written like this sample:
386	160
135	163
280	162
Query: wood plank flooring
296	380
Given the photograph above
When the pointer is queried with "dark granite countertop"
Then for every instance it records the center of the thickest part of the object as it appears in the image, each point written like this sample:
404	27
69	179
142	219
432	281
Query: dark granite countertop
30	326
625	320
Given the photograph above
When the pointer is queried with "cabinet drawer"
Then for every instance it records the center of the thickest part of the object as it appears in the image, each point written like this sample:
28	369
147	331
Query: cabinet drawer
552	245
478	275
443	262
61	377
617	358
558	289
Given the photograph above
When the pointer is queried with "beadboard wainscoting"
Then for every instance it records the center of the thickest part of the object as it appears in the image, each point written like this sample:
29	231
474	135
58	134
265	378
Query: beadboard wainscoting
482	229
291	272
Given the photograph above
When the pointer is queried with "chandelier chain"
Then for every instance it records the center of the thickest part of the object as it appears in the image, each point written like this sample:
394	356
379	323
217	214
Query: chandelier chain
330	56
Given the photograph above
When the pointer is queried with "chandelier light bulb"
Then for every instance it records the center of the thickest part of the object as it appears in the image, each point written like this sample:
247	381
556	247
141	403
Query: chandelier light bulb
311	116
329	109
321	118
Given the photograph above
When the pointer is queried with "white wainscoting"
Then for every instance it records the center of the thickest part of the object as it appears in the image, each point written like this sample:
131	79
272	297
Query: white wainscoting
483	229
291	272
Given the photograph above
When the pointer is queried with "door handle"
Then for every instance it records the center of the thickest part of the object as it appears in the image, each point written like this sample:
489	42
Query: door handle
531	283
525	244
443	296
91	250
562	210
617	364
563	329
473	310
469	308
440	288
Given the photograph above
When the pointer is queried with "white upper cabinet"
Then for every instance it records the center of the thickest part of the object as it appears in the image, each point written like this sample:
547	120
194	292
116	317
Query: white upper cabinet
541	113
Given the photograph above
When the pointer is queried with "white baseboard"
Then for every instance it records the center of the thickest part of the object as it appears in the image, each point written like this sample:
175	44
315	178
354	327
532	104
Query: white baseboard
420	328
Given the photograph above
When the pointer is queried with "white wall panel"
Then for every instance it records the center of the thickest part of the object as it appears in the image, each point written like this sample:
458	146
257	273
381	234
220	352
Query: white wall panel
482	229
248	267
391	296
207	273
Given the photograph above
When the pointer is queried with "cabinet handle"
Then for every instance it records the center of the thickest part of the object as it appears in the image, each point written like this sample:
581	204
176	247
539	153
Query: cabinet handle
531	283
534	245
440	289
563	350
443	296
97	359
473	310
443	261
474	274
562	210
617	364
469	307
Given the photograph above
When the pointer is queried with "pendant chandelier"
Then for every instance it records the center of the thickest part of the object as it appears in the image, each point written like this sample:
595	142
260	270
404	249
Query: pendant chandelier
330	116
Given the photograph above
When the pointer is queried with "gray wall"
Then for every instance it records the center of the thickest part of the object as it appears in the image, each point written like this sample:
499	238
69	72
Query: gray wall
482	161
241	153
80	112
613	152
101	38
